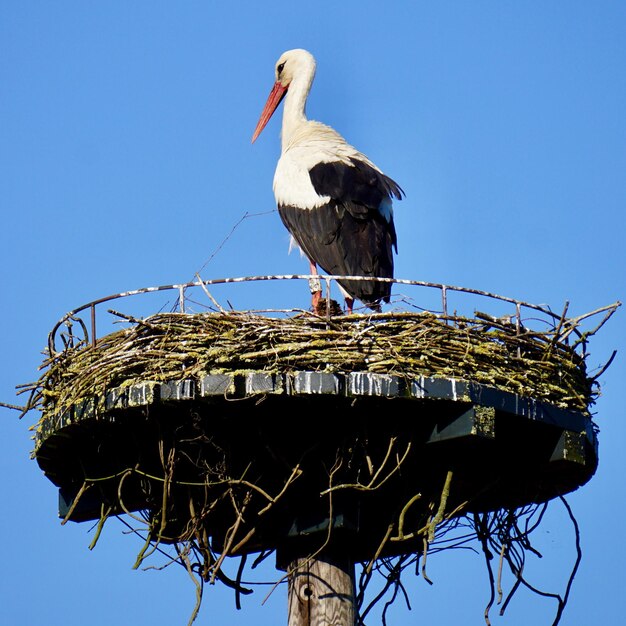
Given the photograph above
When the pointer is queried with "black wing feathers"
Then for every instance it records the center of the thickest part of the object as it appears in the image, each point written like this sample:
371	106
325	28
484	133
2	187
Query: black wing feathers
339	243
358	183
353	234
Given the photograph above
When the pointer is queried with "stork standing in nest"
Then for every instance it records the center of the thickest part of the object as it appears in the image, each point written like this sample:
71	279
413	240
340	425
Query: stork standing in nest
336	204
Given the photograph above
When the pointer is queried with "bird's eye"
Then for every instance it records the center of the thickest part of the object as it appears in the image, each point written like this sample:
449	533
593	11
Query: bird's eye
279	68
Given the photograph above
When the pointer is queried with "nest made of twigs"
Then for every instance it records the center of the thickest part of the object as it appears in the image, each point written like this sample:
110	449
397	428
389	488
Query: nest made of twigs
173	346
548	365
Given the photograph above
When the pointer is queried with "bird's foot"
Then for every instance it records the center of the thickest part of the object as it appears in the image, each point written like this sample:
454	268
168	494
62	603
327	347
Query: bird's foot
321	306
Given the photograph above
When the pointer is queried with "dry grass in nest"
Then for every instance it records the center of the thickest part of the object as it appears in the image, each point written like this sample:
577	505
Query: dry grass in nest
545	365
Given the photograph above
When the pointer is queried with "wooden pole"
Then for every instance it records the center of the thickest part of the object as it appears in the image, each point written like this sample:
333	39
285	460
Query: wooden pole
321	592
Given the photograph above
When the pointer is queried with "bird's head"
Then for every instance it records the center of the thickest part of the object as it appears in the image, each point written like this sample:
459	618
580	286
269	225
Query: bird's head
292	65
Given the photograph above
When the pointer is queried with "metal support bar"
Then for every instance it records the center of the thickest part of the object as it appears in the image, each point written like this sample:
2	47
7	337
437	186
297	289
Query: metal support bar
181	298
93	324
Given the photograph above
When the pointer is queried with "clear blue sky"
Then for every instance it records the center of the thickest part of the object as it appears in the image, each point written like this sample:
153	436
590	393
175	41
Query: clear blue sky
125	161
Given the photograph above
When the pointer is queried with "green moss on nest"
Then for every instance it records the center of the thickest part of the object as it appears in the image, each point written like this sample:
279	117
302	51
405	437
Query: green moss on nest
174	346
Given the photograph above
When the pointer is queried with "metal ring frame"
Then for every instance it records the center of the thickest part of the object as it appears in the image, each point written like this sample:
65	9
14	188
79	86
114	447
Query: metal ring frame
69	317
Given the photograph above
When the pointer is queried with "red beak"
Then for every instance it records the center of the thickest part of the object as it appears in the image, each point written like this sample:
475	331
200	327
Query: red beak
275	98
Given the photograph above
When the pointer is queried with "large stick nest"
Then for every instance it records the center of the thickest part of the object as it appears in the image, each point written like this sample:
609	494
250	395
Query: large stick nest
543	365
547	365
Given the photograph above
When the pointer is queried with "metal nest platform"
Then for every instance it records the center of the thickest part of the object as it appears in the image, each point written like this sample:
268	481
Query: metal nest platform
237	432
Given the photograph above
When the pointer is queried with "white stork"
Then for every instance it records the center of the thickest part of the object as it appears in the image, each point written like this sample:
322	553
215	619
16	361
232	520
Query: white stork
335	203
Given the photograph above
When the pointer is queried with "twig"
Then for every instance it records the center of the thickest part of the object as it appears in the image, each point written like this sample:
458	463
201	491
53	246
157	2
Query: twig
442	507
15	407
371	486
208	294
104	516
424	557
401	536
77	497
